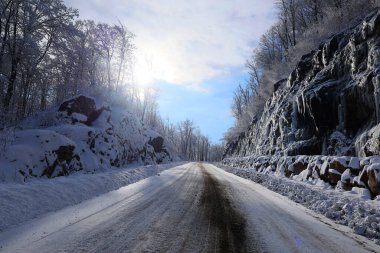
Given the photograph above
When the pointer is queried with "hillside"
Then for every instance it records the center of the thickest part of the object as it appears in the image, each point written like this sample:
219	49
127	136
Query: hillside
80	135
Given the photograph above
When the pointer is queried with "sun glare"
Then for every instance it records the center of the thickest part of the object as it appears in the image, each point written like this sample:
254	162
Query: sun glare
154	66
143	74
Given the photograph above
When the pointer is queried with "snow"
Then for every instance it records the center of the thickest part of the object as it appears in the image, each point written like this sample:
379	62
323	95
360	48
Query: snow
22	202
324	167
114	140
351	209
346	176
333	171
30	152
362	192
354	163
163	213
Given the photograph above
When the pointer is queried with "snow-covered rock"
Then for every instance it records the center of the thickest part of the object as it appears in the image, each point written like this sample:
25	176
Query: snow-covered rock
36	153
79	136
374	178
338	172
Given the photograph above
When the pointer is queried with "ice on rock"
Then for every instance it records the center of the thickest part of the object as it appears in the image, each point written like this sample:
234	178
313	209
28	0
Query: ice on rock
354	163
346	176
319	107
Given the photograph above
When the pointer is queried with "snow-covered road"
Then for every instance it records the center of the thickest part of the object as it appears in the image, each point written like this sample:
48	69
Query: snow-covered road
190	208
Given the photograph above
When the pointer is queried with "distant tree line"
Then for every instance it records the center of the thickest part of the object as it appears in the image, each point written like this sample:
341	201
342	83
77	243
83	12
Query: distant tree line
48	55
301	26
191	144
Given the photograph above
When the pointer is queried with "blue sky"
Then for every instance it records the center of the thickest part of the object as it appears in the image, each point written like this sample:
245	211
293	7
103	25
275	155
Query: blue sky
193	52
209	110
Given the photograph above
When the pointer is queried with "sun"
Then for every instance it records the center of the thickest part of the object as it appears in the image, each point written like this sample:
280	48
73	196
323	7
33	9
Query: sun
143	73
153	66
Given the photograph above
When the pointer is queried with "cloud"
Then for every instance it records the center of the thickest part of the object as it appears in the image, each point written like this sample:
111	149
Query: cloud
186	42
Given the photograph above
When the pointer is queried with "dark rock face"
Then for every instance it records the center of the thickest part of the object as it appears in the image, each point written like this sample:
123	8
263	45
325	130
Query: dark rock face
338	166
296	168
329	104
374	179
82	105
157	143
62	165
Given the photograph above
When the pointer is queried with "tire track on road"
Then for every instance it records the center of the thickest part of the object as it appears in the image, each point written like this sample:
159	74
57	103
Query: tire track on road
229	223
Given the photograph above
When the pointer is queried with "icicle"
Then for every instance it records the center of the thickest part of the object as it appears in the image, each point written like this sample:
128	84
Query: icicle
324	146
294	116
342	114
376	84
340	117
359	145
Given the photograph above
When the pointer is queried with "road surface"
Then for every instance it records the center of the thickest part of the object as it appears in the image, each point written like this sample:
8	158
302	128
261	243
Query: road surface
191	208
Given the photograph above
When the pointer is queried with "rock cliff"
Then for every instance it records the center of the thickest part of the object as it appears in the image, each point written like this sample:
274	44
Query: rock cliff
329	105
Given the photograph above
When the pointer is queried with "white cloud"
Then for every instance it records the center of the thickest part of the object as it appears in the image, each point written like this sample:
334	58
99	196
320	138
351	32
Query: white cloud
186	42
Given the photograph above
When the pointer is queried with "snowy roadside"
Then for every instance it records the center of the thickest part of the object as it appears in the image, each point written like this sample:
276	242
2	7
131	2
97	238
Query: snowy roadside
352	209
22	202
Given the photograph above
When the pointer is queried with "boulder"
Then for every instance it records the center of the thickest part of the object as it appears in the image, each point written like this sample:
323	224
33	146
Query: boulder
368	144
339	164
295	168
60	167
157	143
85	106
80	104
354	165
334	176
373	174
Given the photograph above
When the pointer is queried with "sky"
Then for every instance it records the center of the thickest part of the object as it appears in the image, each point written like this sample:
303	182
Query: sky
192	52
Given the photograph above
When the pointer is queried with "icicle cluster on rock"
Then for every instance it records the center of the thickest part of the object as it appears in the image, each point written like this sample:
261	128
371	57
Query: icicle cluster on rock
329	105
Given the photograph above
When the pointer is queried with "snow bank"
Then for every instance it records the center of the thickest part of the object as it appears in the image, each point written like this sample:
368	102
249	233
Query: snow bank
22	202
351	208
340	172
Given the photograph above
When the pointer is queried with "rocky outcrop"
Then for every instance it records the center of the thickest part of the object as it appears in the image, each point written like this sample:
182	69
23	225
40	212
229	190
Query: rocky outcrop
157	143
339	172
84	106
329	105
61	165
80	104
79	136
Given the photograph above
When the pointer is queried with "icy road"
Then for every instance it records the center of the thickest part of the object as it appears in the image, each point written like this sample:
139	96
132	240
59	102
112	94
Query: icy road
190	208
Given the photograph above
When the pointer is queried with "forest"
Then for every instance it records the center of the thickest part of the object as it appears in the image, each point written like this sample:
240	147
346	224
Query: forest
48	54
